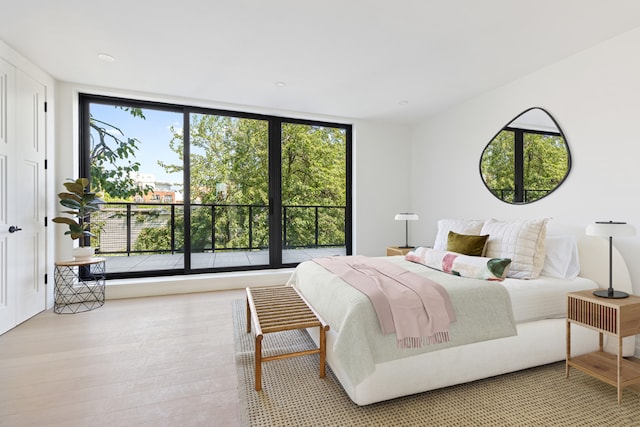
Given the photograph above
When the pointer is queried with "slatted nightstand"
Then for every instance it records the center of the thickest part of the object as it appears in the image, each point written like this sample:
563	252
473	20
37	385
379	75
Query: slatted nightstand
616	317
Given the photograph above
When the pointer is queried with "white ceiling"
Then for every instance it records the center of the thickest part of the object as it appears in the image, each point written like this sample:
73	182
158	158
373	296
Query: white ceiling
347	58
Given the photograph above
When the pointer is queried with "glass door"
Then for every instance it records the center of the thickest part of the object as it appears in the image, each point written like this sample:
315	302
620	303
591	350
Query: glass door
195	190
314	191
229	191
133	165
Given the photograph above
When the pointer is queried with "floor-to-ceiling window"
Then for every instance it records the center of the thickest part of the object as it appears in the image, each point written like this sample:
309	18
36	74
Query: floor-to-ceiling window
229	191
196	190
314	189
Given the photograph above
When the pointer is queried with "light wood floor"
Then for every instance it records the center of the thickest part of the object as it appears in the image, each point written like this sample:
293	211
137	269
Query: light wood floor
160	361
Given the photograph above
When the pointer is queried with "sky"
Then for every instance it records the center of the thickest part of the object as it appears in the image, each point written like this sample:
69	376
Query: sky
154	135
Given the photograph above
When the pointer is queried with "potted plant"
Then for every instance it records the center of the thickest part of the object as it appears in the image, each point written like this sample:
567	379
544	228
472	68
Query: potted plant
81	204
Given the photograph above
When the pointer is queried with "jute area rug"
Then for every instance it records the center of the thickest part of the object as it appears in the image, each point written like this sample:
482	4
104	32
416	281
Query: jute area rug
294	395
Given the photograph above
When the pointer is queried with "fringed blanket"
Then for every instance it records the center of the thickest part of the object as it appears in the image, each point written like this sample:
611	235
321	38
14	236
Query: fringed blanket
482	308
416	308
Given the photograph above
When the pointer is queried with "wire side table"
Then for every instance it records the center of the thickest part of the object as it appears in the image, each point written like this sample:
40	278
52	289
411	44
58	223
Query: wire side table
79	285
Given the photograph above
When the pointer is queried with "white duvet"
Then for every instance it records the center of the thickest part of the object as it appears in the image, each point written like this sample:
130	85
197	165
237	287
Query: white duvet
542	298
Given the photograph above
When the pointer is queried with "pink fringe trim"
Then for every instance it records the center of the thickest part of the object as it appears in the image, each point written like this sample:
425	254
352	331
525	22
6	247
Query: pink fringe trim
418	342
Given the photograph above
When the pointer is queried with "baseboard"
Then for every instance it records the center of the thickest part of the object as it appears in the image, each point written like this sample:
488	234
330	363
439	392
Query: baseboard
155	286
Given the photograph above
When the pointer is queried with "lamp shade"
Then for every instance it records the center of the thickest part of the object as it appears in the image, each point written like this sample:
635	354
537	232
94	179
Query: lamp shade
405	216
610	229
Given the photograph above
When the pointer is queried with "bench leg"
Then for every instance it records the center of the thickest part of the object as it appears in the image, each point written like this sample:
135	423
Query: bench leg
258	363
323	352
248	316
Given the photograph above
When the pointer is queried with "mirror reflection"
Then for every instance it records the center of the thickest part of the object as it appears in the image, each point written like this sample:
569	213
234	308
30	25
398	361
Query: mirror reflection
527	159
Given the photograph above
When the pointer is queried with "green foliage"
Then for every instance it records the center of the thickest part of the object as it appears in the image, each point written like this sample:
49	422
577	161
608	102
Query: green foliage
111	158
545	165
81	204
229	167
156	233
497	165
156	238
313	165
313	173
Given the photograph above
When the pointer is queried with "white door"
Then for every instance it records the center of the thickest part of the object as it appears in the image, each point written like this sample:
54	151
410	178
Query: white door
30	200
8	188
22	198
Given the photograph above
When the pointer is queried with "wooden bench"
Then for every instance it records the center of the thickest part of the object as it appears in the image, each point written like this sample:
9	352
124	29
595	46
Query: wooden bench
281	308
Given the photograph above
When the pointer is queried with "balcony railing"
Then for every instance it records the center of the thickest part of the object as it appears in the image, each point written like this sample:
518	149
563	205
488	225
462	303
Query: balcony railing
143	228
508	194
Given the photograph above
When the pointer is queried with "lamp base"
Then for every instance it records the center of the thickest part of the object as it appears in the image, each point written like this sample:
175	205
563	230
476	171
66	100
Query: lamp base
610	293
406	247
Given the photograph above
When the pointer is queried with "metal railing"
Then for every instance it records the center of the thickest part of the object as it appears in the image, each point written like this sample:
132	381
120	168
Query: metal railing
508	194
143	228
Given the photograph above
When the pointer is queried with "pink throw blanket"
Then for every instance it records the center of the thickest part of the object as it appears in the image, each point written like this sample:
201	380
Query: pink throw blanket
417	309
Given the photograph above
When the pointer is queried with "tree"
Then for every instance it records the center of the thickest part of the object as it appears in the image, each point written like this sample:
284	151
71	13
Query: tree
498	164
545	161
313	173
545	164
110	158
229	167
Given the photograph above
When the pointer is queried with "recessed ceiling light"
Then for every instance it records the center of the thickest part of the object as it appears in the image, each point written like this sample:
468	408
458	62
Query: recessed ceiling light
280	84
403	102
106	57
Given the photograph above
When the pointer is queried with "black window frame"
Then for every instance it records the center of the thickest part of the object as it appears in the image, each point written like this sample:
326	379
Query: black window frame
275	191
520	195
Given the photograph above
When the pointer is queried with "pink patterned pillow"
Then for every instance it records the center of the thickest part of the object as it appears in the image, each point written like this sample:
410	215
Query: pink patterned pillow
475	267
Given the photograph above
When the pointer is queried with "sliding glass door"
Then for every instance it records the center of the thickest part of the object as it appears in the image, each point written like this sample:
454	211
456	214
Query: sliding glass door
140	227
229	191
192	190
314	191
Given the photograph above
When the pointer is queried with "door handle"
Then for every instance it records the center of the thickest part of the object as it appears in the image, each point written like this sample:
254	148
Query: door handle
13	229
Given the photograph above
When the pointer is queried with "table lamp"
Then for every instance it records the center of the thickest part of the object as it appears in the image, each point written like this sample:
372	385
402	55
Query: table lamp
610	229
406	216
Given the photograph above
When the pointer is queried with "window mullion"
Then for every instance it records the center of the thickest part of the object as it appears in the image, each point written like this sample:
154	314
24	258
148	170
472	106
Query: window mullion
186	135
519	166
275	193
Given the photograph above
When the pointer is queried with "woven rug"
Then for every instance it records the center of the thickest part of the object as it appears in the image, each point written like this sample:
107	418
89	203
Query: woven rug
294	395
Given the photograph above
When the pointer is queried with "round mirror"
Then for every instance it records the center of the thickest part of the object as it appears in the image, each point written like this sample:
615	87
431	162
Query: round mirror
527	159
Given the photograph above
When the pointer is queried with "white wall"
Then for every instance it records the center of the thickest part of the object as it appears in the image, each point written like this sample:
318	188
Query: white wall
382	187
380	190
595	97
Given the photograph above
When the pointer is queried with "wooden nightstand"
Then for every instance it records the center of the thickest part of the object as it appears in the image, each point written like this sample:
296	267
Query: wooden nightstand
616	317
397	250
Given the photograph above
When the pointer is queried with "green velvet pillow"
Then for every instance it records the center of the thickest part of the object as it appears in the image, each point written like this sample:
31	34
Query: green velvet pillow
466	244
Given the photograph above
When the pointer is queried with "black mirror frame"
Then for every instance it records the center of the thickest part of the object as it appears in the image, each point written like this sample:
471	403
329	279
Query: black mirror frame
566	142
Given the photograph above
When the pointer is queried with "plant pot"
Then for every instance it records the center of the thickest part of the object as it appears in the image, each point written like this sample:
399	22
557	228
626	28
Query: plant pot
83	253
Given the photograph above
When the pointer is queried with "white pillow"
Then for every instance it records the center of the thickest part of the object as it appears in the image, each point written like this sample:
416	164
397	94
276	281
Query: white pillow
460	226
522	241
561	257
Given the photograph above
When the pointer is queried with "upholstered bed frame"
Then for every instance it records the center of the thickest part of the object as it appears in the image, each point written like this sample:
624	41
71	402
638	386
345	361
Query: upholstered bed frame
537	343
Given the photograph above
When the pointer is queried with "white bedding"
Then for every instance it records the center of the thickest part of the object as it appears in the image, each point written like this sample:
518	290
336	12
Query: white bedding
482	308
537	342
538	308
544	297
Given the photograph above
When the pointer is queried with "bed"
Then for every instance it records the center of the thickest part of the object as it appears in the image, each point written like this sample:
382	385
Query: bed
538	308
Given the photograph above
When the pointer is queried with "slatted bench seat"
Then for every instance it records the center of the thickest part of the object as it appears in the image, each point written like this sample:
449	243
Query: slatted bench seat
281	308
